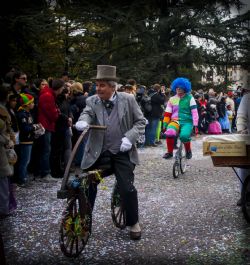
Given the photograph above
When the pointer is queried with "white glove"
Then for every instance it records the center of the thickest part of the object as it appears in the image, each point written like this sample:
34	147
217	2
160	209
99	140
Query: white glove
39	131
81	125
126	145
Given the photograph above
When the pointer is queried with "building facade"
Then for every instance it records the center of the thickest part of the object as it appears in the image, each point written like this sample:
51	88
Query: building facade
236	76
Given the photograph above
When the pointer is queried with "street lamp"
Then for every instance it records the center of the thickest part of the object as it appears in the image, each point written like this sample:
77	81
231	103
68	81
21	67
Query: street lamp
69	53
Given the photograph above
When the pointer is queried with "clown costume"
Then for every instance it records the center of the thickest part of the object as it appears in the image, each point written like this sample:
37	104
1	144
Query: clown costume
180	116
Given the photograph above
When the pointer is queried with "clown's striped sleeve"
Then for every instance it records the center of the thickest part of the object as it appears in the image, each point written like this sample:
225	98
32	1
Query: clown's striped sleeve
168	112
194	111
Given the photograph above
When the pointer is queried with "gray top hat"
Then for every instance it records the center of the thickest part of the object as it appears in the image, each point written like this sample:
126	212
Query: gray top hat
106	72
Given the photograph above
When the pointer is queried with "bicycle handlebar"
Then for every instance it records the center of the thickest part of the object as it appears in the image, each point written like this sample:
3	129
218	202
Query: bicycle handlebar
97	127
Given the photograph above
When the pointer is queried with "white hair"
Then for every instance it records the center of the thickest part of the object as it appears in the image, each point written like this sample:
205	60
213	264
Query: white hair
113	84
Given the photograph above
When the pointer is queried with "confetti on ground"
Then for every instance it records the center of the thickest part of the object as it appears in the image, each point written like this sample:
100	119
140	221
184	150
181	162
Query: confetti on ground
190	220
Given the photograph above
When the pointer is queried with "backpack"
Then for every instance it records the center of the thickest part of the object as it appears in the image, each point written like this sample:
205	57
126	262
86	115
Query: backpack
146	103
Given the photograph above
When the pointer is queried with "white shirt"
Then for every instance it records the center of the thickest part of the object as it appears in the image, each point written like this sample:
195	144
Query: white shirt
243	114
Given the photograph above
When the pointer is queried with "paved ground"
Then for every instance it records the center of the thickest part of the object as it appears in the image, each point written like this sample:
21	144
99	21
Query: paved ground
190	220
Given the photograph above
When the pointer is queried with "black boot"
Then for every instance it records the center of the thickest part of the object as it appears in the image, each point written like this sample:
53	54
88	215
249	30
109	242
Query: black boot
168	155
189	154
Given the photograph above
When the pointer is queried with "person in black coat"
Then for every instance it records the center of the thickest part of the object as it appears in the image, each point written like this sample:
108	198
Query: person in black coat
61	142
153	117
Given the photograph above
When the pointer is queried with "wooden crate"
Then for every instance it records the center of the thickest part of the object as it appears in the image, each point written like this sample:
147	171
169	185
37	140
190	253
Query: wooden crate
232	161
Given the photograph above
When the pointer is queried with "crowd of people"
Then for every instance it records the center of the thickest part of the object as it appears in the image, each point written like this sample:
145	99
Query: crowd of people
41	120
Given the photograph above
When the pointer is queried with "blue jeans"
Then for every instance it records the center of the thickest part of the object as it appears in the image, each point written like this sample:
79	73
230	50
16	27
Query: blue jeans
79	154
150	130
24	159
67	146
45	153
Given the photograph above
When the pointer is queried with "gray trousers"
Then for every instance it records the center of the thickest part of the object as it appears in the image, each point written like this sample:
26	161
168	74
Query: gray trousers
4	195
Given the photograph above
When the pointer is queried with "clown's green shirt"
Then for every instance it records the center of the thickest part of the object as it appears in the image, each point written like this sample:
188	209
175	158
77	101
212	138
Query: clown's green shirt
186	104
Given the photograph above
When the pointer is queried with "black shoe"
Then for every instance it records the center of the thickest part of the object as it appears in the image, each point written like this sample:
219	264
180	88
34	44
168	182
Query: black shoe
239	202
189	154
168	155
154	145
24	184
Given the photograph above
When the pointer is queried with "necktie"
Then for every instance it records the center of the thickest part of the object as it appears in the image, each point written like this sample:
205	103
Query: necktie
108	105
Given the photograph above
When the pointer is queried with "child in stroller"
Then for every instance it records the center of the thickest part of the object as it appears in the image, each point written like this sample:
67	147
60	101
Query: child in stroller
214	126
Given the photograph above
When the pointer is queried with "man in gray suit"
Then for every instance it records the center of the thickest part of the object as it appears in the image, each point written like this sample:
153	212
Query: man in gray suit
122	115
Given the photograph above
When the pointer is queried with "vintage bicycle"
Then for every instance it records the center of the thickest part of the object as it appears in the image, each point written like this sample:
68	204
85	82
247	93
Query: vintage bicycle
180	161
76	222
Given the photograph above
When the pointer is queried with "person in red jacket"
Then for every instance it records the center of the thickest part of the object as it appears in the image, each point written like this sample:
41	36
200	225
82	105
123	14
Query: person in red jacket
48	113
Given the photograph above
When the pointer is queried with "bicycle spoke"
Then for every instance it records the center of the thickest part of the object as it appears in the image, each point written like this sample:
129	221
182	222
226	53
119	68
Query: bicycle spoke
74	210
67	242
124	218
71	245
77	245
120	217
118	212
66	233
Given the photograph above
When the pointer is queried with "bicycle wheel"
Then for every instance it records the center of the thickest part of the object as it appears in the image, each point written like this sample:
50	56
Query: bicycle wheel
117	209
246	199
176	169
75	228
183	161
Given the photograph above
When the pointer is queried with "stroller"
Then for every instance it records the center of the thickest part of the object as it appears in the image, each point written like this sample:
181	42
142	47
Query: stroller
203	121
214	126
